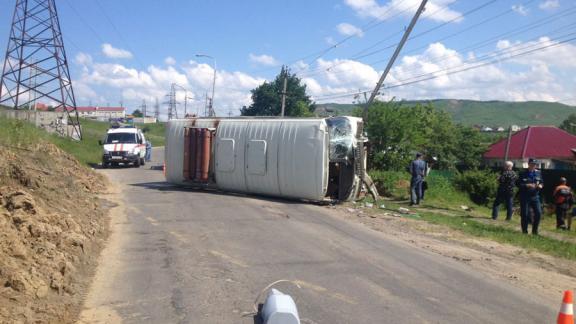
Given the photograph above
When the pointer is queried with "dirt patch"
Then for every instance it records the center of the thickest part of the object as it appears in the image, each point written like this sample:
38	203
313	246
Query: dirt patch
52	229
543	274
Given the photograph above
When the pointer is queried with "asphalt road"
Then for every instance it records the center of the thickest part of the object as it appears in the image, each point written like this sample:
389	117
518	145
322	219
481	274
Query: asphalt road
202	257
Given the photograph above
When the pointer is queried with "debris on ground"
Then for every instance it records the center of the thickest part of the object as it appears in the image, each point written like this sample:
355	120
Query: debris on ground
52	228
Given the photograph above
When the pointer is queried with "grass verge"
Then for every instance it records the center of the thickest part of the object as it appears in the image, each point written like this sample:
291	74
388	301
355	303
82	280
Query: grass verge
499	233
502	234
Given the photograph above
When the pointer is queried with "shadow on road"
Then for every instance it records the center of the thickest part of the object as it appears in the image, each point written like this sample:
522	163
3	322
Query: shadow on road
169	187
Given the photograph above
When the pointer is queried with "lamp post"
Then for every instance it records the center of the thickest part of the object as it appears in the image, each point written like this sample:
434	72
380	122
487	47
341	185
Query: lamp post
211	111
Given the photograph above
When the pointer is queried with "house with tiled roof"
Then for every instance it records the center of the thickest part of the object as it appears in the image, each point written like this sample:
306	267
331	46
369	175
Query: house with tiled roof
554	147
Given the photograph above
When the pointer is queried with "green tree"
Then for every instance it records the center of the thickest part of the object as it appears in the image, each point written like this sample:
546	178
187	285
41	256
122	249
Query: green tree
398	131
470	147
569	124
267	97
137	113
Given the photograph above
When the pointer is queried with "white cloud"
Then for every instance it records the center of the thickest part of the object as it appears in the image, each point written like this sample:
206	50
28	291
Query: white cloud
112	52
263	59
83	59
435	10
530	77
116	81
349	30
520	9
564	54
330	40
169	60
549	4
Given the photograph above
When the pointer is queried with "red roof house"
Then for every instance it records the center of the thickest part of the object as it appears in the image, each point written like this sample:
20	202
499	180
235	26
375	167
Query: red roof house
545	143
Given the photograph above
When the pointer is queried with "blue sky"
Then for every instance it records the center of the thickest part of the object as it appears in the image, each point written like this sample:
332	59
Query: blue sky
132	50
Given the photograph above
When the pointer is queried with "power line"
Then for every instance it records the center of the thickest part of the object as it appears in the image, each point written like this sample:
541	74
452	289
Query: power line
368	26
463	69
390	46
520	30
142	65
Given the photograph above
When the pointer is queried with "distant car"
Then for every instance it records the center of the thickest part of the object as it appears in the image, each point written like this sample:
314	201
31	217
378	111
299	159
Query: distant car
123	145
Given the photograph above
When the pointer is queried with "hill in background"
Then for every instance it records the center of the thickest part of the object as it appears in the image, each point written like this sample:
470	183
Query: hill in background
489	113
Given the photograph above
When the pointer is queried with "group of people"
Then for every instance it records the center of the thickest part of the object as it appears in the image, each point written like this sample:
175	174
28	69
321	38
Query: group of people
530	183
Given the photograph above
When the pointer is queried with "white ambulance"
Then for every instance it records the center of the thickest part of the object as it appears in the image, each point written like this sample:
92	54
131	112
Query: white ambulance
123	145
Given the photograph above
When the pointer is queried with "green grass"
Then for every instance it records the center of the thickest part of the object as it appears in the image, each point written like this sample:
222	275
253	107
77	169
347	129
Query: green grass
21	134
469	226
16	133
500	233
154	133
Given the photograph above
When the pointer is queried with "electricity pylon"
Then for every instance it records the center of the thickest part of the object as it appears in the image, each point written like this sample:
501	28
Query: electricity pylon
36	50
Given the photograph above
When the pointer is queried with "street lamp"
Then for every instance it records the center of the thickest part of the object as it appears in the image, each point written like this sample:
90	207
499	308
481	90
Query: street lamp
211	112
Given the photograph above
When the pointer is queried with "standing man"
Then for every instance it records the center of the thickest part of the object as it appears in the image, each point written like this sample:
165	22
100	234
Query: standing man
418	172
148	150
563	200
506	184
530	183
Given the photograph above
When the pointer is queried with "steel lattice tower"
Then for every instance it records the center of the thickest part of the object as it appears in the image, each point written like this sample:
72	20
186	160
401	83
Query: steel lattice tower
35	66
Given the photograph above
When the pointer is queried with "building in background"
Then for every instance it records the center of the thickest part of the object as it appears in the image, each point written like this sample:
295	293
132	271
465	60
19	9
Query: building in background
100	113
554	147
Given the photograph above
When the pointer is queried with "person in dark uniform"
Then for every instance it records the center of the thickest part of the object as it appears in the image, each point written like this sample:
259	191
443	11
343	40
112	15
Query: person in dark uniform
530	183
418	172
506	183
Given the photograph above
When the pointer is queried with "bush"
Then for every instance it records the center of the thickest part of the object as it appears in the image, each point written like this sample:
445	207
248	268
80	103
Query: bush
480	185
391	183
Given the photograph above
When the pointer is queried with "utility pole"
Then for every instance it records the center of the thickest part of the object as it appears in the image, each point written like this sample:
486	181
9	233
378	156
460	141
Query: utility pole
206	106
36	42
172	111
284	95
143	107
394	56
157	110
32	86
506	154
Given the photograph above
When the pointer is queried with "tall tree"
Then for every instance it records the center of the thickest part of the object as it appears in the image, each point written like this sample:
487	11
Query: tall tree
267	97
137	113
569	124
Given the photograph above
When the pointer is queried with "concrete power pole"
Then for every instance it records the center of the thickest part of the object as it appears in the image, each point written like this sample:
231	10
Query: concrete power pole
393	59
284	96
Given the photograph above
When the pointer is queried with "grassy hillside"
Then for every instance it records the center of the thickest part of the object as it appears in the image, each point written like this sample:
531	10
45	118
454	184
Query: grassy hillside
87	151
491	113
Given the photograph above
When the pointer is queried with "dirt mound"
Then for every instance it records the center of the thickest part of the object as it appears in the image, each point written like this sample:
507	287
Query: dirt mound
52	227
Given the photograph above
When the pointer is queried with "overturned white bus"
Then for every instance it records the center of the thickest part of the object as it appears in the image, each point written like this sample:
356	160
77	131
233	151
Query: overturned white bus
313	158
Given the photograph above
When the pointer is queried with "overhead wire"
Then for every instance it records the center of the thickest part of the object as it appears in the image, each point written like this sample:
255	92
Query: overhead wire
103	10
358	55
462	68
516	31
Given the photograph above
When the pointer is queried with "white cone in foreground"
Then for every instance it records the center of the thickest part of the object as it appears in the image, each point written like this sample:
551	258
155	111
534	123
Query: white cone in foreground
279	309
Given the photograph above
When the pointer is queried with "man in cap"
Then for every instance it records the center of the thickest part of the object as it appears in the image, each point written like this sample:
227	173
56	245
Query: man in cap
418	172
530	183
